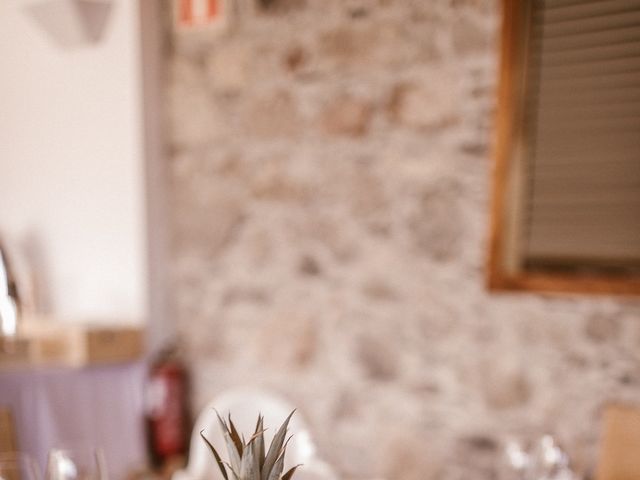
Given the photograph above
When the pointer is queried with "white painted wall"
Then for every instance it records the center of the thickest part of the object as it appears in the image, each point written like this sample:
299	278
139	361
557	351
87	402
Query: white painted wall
71	157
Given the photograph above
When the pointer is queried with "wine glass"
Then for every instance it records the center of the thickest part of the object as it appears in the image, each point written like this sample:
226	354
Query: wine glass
542	459
18	466
76	464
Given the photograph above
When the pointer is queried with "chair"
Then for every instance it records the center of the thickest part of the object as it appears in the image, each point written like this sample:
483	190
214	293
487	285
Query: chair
620	444
244	406
8	442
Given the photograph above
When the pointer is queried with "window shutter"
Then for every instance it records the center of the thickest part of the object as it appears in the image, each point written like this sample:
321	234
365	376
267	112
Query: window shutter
582	134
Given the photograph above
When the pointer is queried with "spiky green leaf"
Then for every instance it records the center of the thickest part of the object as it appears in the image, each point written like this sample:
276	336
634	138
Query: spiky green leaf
234	455
289	474
256	436
284	447
223	425
276	471
235	437
249	470
216	456
260	440
235	474
275	448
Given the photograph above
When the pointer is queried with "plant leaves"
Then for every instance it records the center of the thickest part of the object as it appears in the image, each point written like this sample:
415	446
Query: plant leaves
277	468
235	437
256	436
234	455
289	474
223	424
275	448
258	426
260	442
249	469
256	460
284	447
216	456
259	435
233	472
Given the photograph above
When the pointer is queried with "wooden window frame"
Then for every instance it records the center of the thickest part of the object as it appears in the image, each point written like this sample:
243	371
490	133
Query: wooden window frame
503	272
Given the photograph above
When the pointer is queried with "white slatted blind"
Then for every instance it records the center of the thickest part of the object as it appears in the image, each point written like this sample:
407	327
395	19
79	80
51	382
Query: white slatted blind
583	134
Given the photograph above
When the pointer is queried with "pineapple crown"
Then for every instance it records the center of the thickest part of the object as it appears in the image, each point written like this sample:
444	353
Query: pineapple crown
248	460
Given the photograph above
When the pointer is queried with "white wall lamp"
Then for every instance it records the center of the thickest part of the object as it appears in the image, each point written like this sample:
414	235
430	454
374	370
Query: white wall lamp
72	23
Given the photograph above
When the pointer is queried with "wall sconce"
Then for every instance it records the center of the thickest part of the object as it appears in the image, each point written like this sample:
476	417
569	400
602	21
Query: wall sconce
72	23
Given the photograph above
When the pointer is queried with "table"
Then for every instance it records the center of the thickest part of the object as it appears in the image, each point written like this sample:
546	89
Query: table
94	406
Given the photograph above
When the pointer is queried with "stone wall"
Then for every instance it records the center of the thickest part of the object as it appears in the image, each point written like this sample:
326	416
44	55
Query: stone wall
329	179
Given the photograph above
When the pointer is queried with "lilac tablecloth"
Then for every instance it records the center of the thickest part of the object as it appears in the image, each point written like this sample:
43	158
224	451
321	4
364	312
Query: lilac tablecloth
99	406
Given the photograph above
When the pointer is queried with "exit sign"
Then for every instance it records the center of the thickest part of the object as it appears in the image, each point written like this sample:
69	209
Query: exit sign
199	14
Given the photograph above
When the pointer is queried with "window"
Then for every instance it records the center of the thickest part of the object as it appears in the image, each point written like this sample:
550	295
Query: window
566	203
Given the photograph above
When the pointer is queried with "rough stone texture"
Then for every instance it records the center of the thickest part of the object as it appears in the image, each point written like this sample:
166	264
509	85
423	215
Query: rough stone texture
347	116
329	184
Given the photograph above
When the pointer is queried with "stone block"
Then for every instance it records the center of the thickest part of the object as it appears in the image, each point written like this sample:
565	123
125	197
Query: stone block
274	181
206	221
378	289
436	224
272	114
294	58
505	386
281	6
347	115
601	328
485	7
378	360
342	44
192	119
375	42
288	339
228	67
309	266
471	34
431	103
407	456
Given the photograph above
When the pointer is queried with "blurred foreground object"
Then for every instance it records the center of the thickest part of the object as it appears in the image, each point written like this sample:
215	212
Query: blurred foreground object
544	461
620	444
9	299
244	404
18	466
78	463
8	441
47	341
94	405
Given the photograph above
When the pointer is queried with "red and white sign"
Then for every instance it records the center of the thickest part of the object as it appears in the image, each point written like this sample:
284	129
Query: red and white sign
198	13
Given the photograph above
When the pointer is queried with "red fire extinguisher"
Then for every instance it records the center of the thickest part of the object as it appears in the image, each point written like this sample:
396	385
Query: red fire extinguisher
168	420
